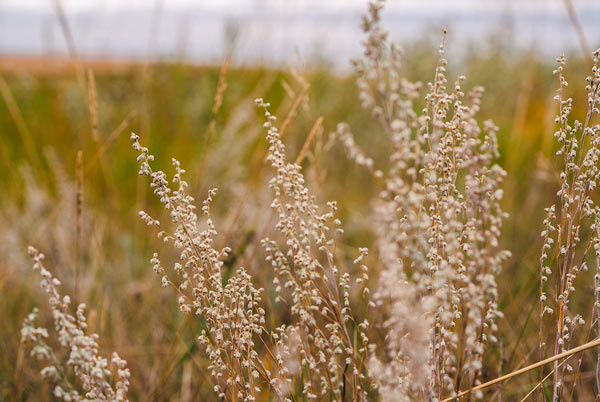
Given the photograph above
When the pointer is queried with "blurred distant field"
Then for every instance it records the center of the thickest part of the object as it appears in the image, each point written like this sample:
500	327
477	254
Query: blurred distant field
45	121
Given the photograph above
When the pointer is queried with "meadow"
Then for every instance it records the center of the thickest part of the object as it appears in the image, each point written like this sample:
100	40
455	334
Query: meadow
71	189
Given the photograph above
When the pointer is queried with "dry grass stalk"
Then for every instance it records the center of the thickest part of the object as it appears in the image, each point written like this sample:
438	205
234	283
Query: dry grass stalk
311	136
583	42
69	39
22	127
78	218
50	218
553	359
218	102
93	104
294	109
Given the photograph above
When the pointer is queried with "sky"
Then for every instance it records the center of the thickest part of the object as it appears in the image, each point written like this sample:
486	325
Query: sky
280	31
288	5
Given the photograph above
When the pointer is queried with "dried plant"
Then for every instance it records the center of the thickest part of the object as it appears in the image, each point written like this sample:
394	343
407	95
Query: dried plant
234	318
564	253
90	368
319	336
438	224
307	269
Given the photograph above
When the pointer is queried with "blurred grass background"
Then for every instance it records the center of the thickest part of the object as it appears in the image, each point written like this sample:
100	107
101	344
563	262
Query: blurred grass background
45	120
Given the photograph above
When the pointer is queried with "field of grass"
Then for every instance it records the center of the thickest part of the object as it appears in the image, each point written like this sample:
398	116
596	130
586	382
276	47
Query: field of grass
101	250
